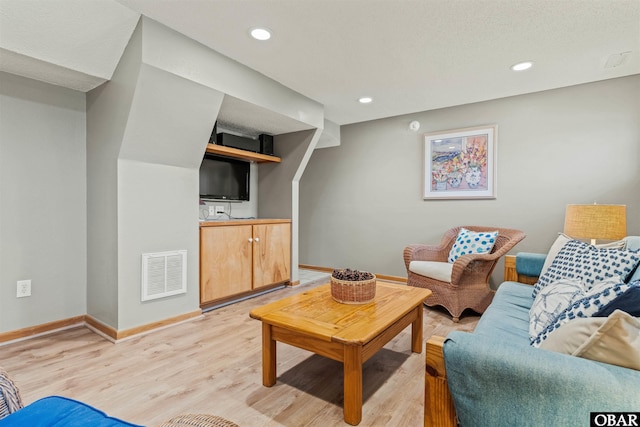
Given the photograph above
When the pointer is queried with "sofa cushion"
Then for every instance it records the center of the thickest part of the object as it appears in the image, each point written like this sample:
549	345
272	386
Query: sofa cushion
593	300
628	302
471	242
433	269
61	411
614	339
582	261
552	300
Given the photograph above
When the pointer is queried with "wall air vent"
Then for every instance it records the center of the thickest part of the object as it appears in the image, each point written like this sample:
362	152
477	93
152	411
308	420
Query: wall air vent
164	274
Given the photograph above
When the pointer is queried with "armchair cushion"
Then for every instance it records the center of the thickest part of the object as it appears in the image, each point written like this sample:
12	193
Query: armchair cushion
434	269
471	242
614	339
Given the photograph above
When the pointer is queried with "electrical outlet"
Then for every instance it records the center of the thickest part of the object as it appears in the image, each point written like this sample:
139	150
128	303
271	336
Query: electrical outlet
219	210
23	289
212	210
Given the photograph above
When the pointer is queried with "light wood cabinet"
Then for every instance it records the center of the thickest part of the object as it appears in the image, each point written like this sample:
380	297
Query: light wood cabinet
271	254
240	257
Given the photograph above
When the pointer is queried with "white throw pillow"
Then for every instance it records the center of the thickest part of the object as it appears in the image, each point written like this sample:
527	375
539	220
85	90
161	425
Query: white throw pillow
614	339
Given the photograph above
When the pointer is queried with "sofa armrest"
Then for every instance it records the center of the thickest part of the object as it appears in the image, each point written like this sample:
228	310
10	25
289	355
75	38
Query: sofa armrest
524	267
495	382
438	405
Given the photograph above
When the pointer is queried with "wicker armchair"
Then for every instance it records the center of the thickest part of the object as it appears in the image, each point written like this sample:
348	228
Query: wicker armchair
468	286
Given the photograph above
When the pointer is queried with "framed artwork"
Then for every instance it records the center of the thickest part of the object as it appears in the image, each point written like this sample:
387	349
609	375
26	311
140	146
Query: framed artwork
460	164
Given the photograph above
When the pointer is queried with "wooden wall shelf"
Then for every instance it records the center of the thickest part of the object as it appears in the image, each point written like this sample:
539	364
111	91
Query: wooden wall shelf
221	150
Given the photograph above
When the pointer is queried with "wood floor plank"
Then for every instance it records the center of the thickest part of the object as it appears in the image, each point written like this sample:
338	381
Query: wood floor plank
213	365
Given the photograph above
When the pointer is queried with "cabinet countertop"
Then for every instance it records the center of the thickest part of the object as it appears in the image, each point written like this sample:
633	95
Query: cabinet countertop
222	223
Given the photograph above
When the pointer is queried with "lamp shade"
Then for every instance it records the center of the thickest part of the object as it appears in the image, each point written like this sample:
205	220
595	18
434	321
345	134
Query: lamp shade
608	222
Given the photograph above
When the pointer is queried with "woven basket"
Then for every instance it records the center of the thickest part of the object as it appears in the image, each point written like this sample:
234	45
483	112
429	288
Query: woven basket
353	292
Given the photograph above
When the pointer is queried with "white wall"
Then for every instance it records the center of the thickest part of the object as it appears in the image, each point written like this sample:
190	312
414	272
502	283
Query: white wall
42	202
361	202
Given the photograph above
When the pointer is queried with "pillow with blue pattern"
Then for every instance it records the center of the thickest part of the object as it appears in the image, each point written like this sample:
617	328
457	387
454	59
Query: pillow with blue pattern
592	300
552	300
584	262
471	242
629	302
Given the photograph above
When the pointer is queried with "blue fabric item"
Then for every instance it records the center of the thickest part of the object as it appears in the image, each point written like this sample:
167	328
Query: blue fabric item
497	379
628	302
589	264
509	314
633	244
61	412
529	264
471	242
595	299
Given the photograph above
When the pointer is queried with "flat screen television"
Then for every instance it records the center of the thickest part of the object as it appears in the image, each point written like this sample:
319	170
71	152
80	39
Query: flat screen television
222	178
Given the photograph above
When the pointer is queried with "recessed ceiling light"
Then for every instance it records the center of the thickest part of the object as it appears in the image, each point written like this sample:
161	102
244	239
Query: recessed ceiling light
260	33
365	100
521	66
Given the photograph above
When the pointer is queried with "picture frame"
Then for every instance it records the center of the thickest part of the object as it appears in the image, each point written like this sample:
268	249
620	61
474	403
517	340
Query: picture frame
460	163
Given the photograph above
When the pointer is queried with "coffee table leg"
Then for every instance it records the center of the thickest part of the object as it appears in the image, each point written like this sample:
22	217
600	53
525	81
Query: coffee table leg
268	356
352	384
416	331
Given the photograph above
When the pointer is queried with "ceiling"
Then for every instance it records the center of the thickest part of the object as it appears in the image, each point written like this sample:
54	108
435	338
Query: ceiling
408	55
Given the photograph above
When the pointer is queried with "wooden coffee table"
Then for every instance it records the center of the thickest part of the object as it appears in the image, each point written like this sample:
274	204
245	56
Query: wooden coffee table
348	333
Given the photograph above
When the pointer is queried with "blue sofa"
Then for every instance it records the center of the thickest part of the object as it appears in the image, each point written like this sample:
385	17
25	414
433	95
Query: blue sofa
494	377
61	411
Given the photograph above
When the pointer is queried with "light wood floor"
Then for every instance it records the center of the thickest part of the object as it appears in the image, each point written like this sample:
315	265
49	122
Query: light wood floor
213	365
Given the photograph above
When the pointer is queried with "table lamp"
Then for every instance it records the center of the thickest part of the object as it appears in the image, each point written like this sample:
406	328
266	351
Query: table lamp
608	222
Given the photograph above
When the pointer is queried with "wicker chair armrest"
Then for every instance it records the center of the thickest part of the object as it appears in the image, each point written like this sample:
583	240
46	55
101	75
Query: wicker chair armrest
464	267
421	252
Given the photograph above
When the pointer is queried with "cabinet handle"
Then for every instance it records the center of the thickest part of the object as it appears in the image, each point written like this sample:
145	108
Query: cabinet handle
250	240
257	240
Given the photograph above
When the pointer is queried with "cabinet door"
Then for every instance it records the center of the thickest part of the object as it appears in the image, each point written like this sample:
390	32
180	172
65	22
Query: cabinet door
225	261
271	254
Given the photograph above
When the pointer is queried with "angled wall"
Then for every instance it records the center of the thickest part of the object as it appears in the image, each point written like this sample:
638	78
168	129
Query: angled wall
279	183
147	130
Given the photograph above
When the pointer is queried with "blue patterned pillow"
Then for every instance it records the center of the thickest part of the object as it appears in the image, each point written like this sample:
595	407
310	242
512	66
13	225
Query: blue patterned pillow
600	294
582	261
470	242
629	302
552	300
